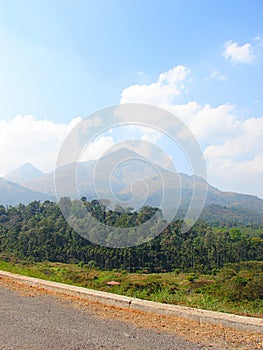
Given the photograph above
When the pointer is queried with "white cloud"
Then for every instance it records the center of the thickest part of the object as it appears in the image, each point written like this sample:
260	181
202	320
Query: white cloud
26	139
232	146
169	85
236	53
213	124
245	142
233	175
217	76
97	148
151	137
237	163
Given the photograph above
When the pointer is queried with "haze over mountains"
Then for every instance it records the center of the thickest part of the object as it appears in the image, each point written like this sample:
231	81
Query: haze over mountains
11	193
25	173
130	177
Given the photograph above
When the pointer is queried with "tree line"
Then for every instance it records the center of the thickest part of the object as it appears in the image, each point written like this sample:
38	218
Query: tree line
38	231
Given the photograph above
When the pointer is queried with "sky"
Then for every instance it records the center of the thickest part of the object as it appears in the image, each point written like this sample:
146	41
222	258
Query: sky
202	60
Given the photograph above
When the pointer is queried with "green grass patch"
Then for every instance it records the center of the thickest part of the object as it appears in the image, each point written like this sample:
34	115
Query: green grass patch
200	291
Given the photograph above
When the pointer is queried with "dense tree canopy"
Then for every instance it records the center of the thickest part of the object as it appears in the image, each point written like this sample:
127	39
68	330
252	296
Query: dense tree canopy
38	231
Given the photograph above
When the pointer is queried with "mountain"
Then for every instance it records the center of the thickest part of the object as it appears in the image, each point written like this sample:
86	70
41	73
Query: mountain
219	215
25	173
12	193
136	182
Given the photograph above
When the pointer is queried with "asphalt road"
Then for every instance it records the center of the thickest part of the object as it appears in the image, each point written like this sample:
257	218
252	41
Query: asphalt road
45	322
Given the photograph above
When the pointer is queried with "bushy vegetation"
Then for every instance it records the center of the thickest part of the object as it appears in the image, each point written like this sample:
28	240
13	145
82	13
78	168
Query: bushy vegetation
212	292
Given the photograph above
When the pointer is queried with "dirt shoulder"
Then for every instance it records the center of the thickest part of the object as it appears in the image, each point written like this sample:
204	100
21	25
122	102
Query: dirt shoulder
207	336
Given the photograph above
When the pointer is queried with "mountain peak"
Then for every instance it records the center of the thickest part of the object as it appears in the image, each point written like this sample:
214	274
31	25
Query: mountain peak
24	173
28	166
123	151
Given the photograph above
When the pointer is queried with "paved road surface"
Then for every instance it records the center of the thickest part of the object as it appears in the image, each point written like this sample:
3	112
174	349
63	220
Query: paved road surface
43	322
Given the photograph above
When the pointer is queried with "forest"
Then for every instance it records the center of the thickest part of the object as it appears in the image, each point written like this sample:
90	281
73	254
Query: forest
39	232
209	267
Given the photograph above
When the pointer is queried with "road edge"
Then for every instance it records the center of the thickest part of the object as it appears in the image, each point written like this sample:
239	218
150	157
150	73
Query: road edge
241	323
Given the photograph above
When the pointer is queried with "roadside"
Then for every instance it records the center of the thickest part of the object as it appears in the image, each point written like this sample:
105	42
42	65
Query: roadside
205	336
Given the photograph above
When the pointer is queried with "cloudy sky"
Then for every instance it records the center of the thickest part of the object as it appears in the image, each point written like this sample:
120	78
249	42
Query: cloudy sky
60	61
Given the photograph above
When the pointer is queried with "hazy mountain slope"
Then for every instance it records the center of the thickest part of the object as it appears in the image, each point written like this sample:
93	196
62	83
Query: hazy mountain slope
12	193
133	178
23	174
221	215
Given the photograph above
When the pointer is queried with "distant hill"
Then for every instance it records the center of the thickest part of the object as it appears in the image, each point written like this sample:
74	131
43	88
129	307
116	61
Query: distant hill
24	174
219	215
136	181
12	193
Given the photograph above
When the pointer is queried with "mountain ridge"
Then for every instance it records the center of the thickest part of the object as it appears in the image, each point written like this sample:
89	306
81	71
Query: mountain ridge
11	193
124	180
25	172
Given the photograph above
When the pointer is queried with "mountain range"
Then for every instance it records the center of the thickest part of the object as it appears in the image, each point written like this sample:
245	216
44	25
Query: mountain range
11	193
131	178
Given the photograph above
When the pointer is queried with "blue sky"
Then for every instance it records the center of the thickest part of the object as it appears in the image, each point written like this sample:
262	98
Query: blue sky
66	59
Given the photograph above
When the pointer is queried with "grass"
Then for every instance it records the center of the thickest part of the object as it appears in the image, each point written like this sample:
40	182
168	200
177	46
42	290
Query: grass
173	288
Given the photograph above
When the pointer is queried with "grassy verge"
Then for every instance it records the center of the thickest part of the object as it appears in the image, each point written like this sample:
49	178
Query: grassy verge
173	288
